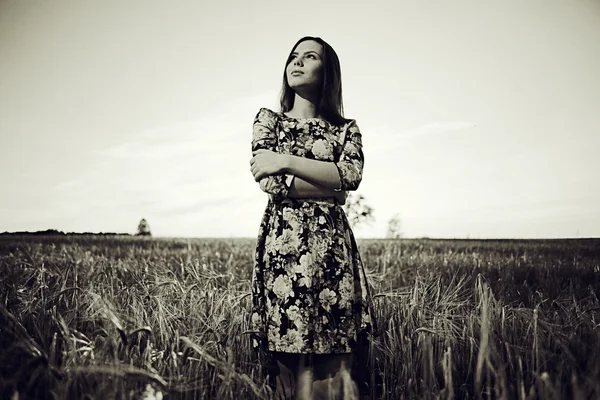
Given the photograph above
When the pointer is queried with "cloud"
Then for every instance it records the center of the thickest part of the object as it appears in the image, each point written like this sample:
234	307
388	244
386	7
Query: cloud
214	132
208	135
380	140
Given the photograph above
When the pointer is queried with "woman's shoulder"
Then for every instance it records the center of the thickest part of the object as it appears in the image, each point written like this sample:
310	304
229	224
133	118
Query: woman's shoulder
349	122
265	111
341	122
266	116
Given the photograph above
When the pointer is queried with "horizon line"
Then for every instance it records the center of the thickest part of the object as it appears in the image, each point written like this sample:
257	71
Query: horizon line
55	232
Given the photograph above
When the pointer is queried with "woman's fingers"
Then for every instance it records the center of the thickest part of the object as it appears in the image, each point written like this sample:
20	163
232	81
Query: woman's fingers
256	172
259	166
255	167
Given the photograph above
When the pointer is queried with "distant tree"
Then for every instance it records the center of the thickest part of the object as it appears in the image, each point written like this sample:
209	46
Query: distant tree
357	210
143	228
393	231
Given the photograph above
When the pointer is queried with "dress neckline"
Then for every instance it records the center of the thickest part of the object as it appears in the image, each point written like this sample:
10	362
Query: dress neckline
302	119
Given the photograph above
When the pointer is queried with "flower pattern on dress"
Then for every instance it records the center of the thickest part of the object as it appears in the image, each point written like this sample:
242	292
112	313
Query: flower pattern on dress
309	287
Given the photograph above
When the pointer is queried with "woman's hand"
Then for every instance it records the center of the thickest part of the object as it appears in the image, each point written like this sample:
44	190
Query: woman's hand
266	162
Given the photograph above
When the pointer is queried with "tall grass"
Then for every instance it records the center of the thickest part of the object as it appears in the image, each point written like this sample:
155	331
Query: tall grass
110	317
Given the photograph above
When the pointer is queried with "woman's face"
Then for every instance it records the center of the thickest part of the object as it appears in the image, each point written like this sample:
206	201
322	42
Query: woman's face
304	70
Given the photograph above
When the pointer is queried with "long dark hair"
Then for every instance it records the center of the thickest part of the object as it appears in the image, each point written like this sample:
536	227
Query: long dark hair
331	105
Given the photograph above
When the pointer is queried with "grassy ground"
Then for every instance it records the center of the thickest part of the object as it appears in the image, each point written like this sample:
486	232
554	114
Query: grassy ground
129	317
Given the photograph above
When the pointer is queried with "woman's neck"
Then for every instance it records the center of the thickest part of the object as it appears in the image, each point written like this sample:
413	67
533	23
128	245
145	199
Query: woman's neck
304	107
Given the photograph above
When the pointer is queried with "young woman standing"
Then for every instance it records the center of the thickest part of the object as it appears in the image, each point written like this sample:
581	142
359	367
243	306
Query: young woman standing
311	303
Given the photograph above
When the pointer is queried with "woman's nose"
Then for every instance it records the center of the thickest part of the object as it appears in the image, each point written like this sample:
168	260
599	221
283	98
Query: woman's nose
298	61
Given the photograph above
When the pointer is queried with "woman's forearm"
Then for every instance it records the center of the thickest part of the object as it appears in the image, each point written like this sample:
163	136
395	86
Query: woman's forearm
322	173
301	189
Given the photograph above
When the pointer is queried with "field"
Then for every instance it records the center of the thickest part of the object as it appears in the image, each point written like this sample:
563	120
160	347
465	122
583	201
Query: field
129	317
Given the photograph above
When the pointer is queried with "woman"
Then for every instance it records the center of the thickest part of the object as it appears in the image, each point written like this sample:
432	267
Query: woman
311	305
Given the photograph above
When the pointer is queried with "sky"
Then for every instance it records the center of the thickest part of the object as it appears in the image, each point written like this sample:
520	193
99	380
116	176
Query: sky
480	119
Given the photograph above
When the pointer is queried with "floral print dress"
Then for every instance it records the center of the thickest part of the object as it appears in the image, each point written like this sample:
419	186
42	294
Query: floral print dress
309	289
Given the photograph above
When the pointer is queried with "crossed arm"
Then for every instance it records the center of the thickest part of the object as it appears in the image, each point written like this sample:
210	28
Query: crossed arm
311	178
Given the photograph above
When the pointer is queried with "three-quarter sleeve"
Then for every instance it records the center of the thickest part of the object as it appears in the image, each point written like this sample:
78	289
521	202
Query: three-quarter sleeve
264	136
351	161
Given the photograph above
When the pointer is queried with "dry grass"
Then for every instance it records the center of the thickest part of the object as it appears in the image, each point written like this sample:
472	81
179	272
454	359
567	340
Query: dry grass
98	318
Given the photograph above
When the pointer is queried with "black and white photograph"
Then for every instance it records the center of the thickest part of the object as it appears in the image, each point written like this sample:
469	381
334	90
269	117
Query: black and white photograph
271	200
